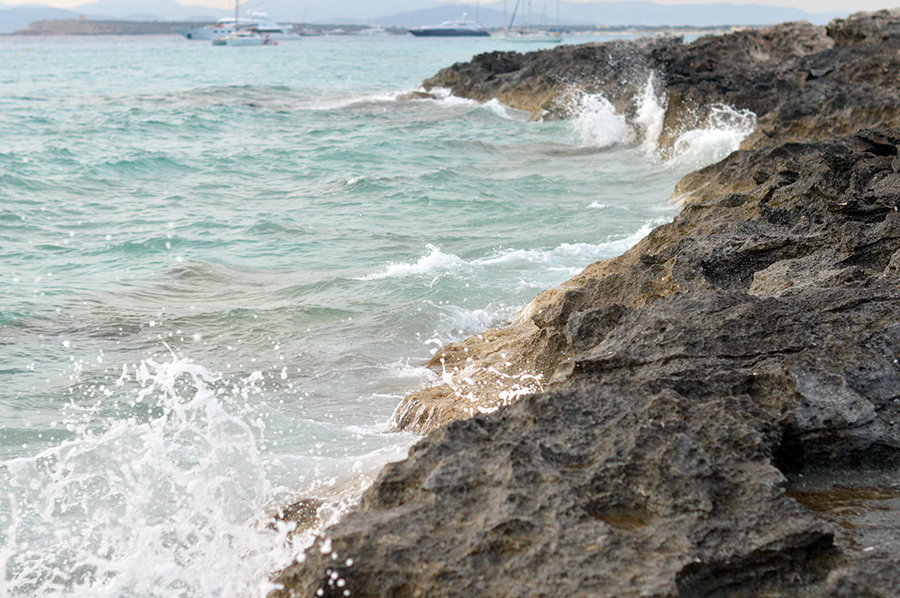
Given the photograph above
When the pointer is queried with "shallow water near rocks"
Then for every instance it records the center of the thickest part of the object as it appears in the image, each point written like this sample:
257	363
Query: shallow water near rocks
223	268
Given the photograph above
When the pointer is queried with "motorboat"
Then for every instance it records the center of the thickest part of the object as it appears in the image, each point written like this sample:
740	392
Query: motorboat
243	37
462	27
246	36
259	21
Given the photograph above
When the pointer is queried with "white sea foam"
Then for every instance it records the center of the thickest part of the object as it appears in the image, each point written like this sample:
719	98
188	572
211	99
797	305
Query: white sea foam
457	323
506	112
616	247
345	102
437	96
569	257
434	264
402	369
440	95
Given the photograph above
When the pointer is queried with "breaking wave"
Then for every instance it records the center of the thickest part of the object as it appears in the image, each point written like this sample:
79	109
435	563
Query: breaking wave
596	122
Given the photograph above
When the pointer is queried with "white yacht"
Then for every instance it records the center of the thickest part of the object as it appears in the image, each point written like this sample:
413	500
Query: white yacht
459	28
260	22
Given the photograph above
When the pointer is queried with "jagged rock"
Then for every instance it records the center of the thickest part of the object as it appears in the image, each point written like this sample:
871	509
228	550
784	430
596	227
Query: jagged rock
753	223
874	579
802	82
873	27
723	417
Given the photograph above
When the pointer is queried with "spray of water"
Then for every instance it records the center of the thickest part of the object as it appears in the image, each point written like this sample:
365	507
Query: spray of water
720	134
595	122
650	117
158	504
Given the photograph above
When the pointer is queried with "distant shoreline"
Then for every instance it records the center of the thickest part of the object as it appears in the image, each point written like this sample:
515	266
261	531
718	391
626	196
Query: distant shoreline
55	27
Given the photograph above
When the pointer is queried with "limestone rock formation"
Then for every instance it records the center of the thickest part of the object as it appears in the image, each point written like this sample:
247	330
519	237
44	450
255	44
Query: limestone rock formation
716	412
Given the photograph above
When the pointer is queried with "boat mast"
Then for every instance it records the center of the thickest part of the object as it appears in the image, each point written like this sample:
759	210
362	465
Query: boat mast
513	19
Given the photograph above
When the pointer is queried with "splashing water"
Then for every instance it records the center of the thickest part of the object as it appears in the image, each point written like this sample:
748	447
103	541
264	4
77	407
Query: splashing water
597	123
650	118
159	504
723	132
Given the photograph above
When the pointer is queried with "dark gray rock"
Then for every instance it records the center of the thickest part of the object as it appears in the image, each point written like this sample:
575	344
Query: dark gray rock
873	27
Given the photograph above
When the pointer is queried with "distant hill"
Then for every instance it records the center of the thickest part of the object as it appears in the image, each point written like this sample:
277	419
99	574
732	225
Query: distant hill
159	10
414	13
14	18
619	13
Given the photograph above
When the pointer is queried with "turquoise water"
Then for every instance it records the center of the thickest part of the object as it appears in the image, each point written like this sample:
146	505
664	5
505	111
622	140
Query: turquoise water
222	268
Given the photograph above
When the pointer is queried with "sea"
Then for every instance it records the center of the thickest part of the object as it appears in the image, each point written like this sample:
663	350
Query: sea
222	268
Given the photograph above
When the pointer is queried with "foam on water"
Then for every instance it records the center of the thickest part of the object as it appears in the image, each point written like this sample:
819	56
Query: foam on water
434	264
570	257
505	112
566	257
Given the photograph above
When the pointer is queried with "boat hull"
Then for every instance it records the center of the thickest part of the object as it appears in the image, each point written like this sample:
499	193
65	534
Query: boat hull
245	42
533	38
448	33
201	33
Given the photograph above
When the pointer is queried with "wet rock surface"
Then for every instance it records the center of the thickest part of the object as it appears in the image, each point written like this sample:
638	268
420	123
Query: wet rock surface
716	412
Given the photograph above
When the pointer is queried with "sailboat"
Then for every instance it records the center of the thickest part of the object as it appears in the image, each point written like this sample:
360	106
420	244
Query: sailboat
528	33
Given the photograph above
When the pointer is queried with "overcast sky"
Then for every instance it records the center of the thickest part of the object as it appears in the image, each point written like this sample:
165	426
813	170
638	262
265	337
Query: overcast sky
807	5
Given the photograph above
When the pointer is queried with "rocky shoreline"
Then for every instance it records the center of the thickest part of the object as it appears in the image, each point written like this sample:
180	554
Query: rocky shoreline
716	412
